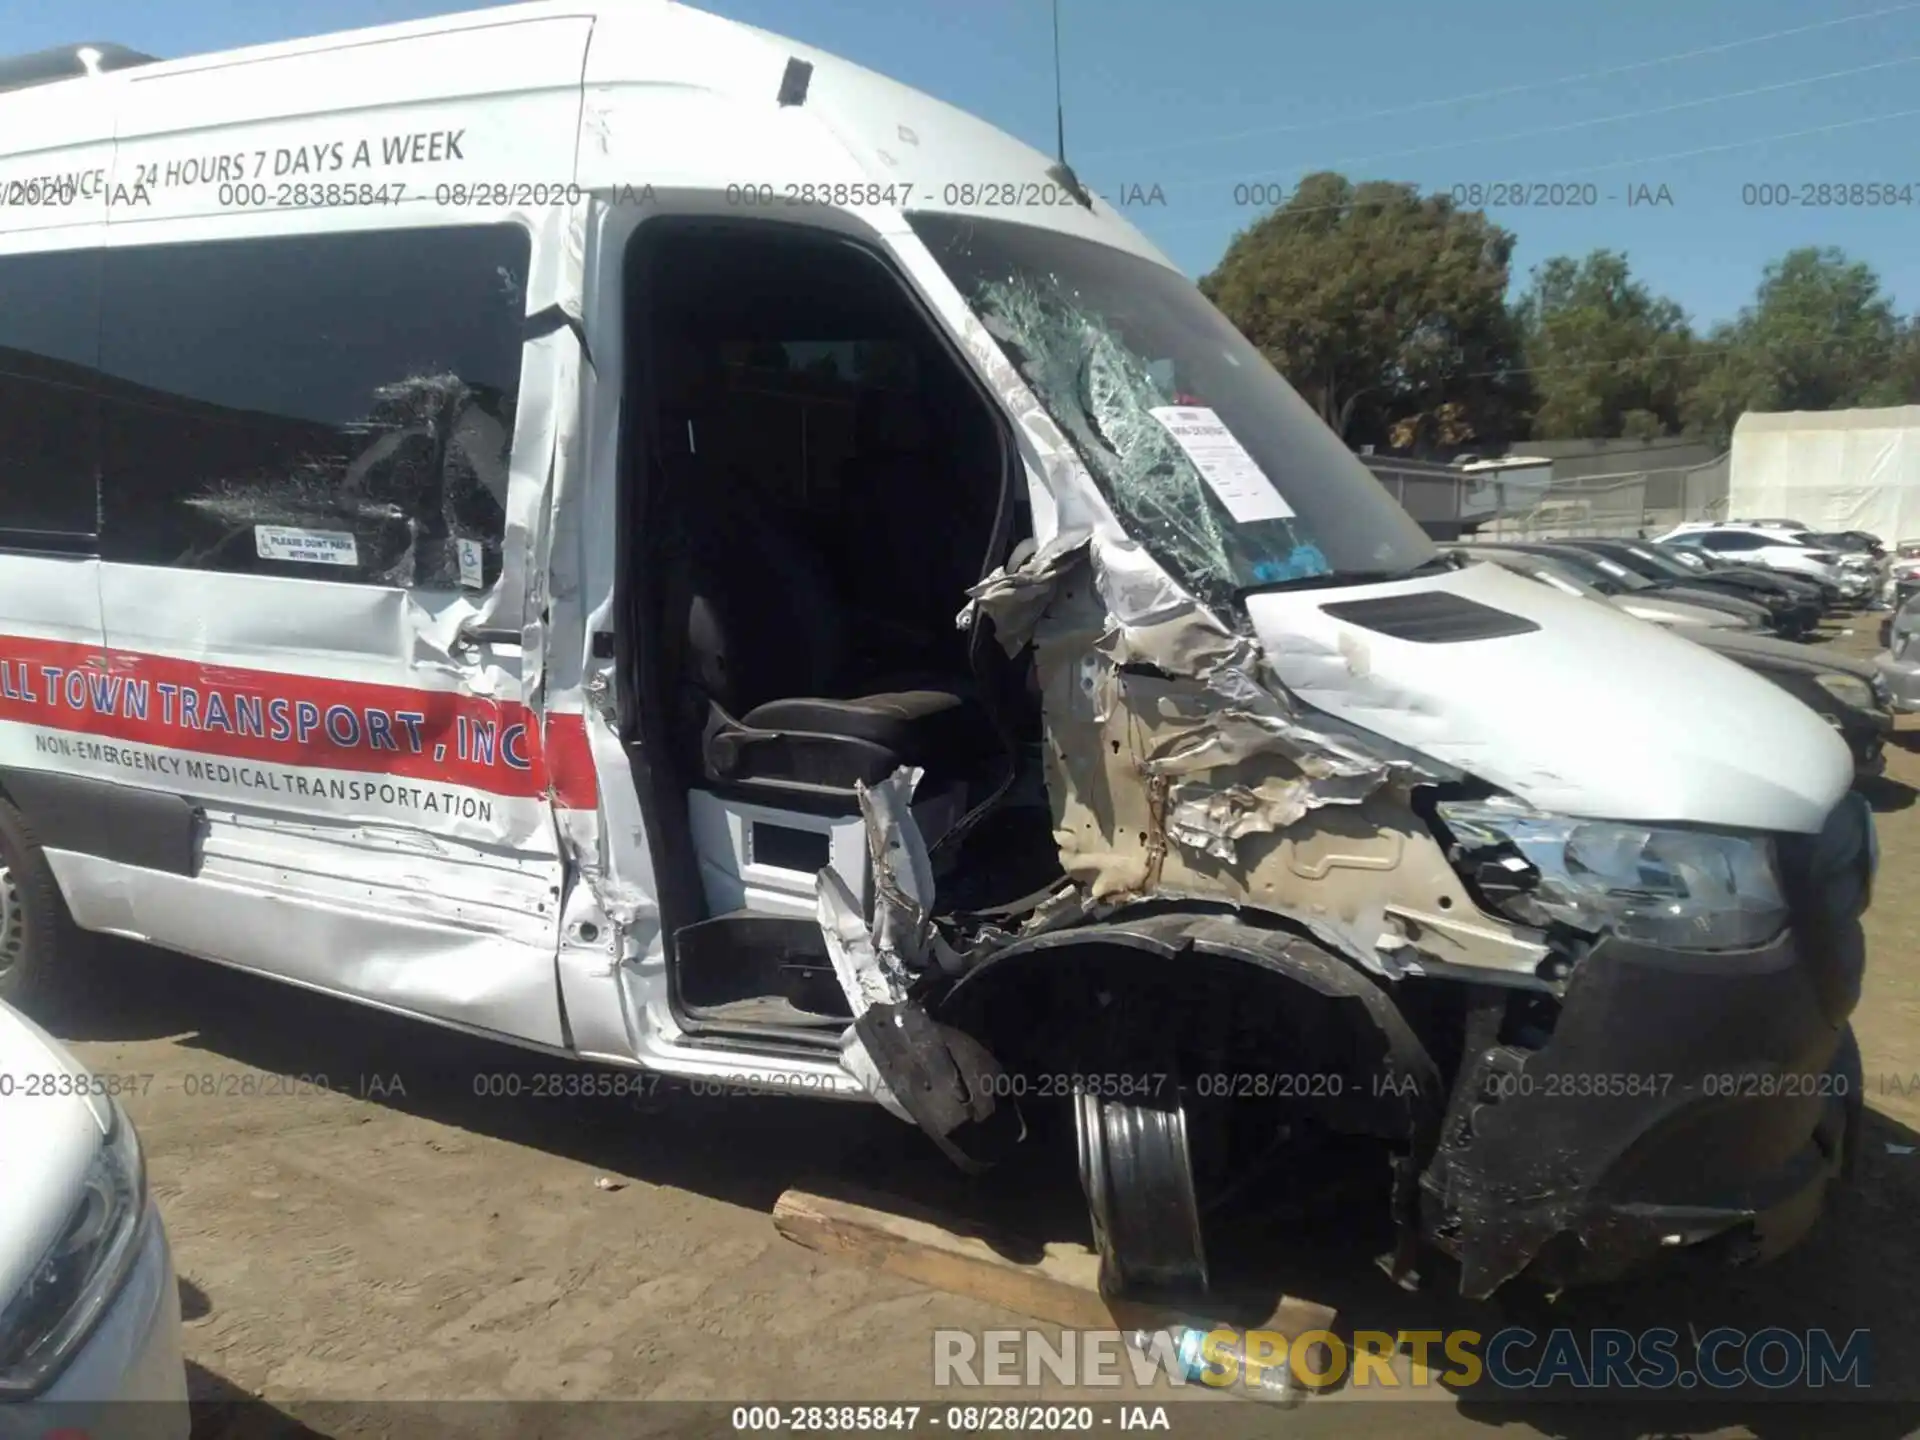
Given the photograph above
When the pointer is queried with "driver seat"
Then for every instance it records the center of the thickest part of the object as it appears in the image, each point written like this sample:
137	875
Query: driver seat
771	692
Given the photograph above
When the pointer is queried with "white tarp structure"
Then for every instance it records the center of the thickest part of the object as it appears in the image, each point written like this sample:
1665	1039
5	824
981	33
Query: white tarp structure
1833	470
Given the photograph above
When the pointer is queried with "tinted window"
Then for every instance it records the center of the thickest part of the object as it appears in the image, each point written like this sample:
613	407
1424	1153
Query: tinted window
1721	540
49	421
334	407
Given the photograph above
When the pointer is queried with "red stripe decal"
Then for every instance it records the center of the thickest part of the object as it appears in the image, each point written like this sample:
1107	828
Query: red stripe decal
299	720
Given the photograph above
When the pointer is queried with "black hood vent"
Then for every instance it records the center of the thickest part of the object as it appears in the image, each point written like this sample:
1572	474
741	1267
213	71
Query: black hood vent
1430	617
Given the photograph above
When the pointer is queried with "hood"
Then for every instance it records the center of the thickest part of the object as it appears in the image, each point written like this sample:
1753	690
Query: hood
46	1144
1571	706
1765	651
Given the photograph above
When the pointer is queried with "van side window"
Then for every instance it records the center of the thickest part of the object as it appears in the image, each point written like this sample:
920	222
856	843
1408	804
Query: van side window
49	421
330	407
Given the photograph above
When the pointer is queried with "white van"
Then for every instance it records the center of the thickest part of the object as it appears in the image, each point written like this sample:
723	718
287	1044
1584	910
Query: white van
614	531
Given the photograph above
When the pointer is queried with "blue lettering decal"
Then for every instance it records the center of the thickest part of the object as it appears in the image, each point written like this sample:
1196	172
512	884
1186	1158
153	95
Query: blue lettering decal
380	731
279	721
1709	1348
1508	1376
1661	1368
1769	1343
133	700
1612	1350
216	716
411	721
345	734
306	720
53	674
106	693
1825	1367
1562	1360
513	747
484	749
247	716
6	682
189	707
460	736
167	692
76	690
26	684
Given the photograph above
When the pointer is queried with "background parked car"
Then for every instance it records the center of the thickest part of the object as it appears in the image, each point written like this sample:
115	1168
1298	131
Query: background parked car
89	1306
1644	604
1791	609
1775	549
1802	590
1899	662
1903	574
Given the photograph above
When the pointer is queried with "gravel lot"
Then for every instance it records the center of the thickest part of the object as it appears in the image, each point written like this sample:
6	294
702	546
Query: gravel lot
397	1235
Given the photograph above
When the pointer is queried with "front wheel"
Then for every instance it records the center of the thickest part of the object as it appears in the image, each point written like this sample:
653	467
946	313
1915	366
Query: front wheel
39	944
1136	1169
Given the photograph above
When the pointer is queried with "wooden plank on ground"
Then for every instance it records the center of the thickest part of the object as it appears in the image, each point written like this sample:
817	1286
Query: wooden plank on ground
1061	1286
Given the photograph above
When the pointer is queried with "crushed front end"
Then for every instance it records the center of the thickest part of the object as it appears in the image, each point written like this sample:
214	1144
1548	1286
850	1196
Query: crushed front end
1683	1100
1327	804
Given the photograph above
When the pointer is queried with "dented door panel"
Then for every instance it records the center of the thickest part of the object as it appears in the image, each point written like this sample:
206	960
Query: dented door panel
321	599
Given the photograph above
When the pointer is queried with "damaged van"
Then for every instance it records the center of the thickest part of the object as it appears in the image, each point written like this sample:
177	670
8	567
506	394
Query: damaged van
617	532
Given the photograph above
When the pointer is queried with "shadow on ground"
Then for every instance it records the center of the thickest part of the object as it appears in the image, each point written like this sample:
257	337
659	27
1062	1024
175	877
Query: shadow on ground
1887	795
1857	1271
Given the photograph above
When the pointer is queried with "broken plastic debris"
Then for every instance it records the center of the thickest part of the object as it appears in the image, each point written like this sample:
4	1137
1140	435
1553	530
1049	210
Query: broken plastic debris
607	1182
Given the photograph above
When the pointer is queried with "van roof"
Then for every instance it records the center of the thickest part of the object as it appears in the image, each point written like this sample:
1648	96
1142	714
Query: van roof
894	132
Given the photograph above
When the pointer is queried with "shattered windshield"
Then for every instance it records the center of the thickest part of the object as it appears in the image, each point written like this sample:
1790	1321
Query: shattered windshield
1204	452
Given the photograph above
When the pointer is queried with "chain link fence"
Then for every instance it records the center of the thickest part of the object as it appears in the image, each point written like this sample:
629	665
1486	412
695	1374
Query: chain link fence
1623	502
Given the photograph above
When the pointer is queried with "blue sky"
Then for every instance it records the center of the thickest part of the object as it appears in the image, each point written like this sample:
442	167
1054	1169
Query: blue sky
1202	96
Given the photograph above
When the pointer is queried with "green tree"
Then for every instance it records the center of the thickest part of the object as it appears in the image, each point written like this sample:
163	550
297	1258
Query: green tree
1607	357
1820	335
1386	309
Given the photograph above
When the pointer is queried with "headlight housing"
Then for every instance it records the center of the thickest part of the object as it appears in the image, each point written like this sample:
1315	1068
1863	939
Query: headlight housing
1848	690
1677	889
55	1310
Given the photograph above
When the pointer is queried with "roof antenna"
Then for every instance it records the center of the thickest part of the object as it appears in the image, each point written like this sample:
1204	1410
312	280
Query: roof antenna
1062	171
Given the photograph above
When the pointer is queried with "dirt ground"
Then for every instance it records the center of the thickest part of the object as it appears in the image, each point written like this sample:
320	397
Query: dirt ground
398	1235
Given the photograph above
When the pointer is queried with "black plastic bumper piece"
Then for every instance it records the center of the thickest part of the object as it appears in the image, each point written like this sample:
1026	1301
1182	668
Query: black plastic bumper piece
1682	1098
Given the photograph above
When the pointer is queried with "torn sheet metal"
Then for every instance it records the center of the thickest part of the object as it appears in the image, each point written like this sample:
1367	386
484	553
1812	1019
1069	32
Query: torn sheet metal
1178	764
1015	600
1184	786
875	958
1212	818
921	1072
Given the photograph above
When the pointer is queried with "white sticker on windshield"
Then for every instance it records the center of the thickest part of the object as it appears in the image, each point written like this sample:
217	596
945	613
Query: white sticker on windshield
1223	462
311	547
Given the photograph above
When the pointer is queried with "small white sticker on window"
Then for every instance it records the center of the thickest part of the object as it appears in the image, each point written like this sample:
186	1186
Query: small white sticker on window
1223	462
473	572
310	547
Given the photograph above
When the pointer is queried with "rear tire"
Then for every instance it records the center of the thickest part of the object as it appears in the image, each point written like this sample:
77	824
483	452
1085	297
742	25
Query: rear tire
41	950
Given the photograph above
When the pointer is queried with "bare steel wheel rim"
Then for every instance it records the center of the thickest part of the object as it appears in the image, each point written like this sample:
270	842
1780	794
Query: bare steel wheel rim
13	924
1136	1169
